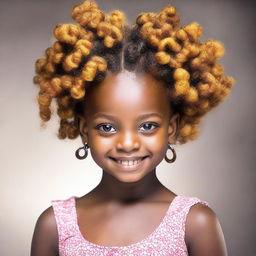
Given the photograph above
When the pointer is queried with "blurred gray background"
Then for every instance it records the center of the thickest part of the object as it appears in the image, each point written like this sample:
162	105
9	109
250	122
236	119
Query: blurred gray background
37	167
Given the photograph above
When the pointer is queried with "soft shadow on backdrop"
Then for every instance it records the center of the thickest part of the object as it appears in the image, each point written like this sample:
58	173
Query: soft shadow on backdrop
37	167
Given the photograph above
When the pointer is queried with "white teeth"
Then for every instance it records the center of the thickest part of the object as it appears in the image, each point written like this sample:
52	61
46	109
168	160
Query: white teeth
129	163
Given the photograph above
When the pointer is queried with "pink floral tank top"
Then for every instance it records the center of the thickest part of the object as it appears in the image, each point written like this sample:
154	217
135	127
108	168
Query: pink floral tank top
167	239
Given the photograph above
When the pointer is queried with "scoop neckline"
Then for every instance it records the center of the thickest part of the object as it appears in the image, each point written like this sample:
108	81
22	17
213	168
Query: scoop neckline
126	246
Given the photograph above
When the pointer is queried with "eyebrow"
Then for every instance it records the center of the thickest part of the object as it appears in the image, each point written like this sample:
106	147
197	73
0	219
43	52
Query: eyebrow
99	114
149	115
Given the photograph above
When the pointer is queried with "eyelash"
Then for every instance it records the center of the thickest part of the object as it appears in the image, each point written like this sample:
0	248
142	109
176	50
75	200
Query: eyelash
106	124
152	124
102	125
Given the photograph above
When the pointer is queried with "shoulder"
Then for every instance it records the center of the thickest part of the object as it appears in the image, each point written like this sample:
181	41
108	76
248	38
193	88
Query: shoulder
203	233
47	220
45	237
200	216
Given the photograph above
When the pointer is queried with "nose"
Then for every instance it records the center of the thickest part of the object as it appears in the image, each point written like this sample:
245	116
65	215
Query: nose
128	141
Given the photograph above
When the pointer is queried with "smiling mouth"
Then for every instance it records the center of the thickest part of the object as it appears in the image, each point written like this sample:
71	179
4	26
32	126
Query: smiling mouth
128	162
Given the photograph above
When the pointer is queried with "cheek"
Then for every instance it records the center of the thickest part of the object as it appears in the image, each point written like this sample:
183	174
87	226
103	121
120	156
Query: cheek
99	146
97	141
97	151
100	143
158	144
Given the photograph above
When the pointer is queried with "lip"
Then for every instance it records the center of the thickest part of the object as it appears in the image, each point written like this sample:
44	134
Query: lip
129	167
130	158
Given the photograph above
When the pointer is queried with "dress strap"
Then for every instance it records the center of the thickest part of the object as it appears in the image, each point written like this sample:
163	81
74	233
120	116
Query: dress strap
65	218
179	212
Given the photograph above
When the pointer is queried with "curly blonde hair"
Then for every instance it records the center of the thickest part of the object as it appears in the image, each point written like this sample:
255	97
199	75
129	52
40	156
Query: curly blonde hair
98	43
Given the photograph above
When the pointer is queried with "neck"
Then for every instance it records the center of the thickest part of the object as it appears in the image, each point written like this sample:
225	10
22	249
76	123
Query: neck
113	189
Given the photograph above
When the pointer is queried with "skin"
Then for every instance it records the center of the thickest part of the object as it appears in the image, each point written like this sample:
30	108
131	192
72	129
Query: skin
129	196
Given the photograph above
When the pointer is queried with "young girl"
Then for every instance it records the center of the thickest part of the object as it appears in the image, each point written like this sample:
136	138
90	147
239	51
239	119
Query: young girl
130	93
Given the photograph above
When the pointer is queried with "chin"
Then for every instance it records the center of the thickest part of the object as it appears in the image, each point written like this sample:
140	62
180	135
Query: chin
129	177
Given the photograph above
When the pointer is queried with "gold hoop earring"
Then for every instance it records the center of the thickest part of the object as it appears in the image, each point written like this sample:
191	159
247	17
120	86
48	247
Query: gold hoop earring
168	160
85	149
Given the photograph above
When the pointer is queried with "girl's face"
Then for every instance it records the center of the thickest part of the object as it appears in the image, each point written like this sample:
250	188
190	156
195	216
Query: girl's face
128	124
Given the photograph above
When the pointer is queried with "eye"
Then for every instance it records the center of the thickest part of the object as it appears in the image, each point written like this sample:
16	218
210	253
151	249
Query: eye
148	126
105	128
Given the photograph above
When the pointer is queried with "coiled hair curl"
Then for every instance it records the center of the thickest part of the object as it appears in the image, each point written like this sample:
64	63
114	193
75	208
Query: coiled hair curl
98	43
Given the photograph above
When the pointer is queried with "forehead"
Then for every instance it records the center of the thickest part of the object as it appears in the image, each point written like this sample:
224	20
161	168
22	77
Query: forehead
128	93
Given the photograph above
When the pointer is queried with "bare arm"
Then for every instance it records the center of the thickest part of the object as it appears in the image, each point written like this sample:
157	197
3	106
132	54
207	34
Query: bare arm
45	237
204	236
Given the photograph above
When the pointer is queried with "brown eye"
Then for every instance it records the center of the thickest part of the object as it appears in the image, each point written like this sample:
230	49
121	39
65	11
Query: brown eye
148	126
105	128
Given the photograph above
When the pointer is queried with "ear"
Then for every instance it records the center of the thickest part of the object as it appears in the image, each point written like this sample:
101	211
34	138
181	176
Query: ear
173	128
83	128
